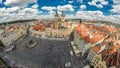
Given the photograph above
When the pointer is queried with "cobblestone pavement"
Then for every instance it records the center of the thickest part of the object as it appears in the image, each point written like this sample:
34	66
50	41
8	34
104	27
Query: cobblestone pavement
47	53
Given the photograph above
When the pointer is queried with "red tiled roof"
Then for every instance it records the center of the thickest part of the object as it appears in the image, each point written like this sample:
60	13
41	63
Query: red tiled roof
52	26
39	27
108	28
115	48
13	27
86	39
96	48
96	37
115	59
67	23
84	30
2	27
113	51
116	62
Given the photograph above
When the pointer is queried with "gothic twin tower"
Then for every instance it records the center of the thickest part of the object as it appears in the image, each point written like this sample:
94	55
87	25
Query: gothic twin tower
59	20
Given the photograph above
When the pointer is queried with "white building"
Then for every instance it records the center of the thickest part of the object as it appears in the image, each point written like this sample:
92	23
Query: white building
12	34
51	33
85	38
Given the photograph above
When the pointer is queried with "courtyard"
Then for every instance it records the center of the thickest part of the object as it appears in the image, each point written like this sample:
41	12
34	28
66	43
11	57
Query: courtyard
47	53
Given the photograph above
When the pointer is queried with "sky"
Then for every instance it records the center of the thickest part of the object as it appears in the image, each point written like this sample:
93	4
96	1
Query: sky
107	10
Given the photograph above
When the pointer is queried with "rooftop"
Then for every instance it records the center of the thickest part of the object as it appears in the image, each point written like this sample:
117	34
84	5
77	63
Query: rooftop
90	31
39	27
110	52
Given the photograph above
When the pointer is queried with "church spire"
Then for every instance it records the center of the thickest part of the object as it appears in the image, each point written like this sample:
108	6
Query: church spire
63	15
56	15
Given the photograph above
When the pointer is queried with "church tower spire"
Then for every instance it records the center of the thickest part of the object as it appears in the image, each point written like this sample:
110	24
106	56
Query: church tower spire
63	14
56	14
63	18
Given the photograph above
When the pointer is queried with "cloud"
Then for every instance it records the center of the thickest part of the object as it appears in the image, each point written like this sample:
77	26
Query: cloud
15	16
104	2
51	12
96	15
70	2
35	6
90	15
2	15
59	12
81	1
40	12
113	18
116	1
67	7
15	13
2	10
12	17
100	5
49	8
29	11
13	9
0	1
9	10
19	3
83	7
116	9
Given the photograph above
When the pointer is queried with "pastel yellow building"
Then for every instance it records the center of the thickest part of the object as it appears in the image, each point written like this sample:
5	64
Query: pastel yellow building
97	62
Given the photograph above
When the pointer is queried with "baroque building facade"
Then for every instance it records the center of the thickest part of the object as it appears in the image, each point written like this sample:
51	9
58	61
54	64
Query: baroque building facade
58	28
